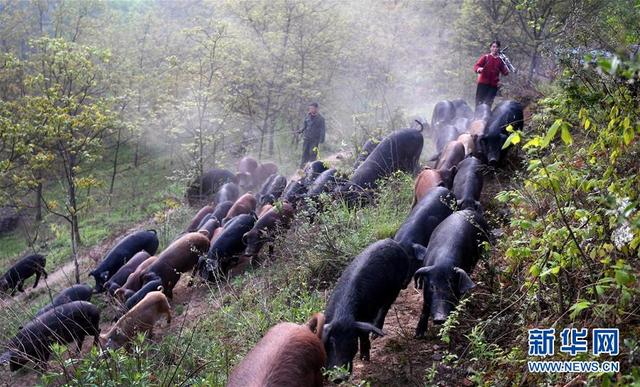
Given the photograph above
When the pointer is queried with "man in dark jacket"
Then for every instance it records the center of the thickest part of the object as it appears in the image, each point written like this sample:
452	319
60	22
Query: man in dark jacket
313	134
489	67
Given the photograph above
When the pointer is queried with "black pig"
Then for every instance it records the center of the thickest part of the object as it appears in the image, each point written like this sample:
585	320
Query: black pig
361	299
467	184
122	252
452	253
26	267
69	322
80	292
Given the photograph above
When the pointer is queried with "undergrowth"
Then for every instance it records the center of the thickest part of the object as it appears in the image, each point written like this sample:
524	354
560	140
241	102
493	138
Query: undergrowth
569	253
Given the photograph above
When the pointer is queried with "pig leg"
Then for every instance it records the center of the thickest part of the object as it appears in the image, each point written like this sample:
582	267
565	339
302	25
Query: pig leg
379	319
95	332
44	273
193	274
41	365
38	274
365	346
421	329
20	286
79	340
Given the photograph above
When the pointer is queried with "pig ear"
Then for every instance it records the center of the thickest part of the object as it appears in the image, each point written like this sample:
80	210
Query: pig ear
5	357
368	327
204	232
419	251
464	282
325	330
244	238
423	271
419	274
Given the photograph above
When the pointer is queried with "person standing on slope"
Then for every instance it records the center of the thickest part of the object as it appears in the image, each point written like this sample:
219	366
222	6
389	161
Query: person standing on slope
313	134
488	68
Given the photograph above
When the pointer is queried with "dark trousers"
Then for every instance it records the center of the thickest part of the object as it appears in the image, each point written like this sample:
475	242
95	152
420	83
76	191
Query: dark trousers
309	151
485	94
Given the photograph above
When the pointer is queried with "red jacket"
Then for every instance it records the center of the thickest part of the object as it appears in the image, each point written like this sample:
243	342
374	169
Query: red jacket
492	66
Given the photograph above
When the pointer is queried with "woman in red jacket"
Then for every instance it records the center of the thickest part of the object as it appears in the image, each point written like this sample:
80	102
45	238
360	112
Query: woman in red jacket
489	67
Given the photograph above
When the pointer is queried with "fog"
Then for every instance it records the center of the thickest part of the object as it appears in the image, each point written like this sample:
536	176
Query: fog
235	77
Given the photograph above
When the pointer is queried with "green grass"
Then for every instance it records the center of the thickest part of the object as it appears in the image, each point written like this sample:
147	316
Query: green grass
11	245
139	194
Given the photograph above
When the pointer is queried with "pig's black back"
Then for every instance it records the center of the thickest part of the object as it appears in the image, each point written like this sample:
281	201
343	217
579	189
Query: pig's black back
323	183
457	240
467	184
374	278
221	210
80	292
430	211
122	252
400	151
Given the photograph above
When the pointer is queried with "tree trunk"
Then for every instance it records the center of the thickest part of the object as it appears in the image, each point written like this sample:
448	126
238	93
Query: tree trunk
215	151
534	60
135	157
39	201
271	139
73	205
200	150
115	167
75	229
74	245
261	144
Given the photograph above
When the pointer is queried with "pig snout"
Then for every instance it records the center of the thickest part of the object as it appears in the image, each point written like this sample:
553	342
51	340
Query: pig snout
439	318
440	311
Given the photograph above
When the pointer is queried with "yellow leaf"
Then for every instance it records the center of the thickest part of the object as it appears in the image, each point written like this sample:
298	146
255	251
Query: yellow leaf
566	136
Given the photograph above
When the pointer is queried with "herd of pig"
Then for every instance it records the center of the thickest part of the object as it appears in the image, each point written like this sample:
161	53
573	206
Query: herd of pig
437	246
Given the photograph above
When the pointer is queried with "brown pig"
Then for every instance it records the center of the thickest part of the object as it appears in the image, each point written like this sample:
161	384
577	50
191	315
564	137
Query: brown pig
134	280
180	257
246	168
476	128
141	318
451	155
468	142
244	205
204	211
288	355
266	228
426	179
264	209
